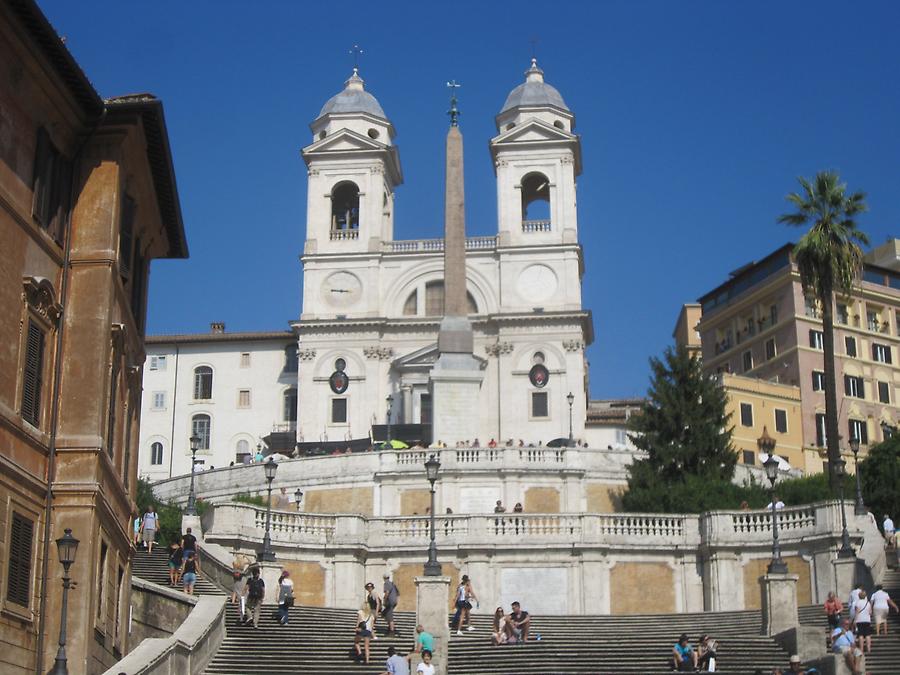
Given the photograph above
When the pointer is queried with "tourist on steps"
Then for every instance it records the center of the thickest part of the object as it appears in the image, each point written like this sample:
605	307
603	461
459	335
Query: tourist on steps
373	600
833	609
684	658
843	642
862	622
190	570
188	541
498	629
882	604
391	595
706	653
426	667
465	597
285	597
395	664
365	621
149	525
424	640
517	624
239	578
176	558
255	591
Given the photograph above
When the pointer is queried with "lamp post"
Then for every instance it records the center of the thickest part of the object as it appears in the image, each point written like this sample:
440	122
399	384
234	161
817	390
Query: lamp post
776	565
191	509
298	497
571	399
268	555
67	546
846	550
390	404
432	567
859	508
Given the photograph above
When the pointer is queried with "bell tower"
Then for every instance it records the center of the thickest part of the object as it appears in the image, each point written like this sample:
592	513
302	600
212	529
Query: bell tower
353	170
537	157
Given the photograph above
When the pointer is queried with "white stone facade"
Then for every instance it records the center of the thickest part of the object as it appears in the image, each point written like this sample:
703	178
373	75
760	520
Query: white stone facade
253	376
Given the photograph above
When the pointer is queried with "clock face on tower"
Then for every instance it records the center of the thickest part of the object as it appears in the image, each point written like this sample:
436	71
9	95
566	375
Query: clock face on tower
341	289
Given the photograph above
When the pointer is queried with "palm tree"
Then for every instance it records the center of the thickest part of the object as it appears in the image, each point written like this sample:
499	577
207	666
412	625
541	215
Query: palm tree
829	259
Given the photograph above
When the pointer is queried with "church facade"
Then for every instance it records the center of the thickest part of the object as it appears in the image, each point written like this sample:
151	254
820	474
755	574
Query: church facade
372	304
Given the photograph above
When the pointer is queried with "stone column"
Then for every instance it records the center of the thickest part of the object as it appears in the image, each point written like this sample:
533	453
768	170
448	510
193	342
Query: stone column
779	603
270	571
844	576
432	605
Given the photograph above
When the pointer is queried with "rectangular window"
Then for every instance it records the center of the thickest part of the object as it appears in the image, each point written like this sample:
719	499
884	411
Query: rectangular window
872	320
51	185
843	315
816	339
243	398
818	380
773	314
157	363
811	307
881	353
781	421
747	358
18	578
748	457
338	411
33	374
884	392
101	581
119	588
858	429
746	414
854	386
850	346
821	436
539	405
770	349
245	359
621	437
159	400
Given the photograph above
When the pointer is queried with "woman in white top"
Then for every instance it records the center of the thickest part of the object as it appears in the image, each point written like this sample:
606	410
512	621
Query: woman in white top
365	622
285	597
882	604
863	622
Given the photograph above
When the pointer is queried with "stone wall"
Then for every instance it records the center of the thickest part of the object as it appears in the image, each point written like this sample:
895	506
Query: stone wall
156	611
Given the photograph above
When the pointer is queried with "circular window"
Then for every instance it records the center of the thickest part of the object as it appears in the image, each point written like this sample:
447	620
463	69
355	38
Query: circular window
373	133
510	126
339	382
538	357
559	125
321	135
340	365
539	375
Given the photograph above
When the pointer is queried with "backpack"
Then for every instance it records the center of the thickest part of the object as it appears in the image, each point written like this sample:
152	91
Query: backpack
256	588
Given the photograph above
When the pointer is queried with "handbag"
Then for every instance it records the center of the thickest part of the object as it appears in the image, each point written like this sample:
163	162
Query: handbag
289	601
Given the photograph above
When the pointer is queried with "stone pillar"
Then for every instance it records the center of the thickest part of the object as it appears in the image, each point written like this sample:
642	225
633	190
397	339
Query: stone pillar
844	576
779	603
432	608
270	571
192	522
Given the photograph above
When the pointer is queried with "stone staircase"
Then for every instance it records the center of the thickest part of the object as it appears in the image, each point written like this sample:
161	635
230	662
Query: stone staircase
154	568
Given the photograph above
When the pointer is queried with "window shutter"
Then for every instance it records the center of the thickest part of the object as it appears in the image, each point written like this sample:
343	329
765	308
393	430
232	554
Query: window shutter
59	199
41	184
31	377
846	385
18	584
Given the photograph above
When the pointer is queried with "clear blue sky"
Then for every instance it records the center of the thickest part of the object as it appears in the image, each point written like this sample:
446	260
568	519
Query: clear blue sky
696	118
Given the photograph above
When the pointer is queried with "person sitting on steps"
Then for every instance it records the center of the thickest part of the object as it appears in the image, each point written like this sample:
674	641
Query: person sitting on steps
517	624
684	658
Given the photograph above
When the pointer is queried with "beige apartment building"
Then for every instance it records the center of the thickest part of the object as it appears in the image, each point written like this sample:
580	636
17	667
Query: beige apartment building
759	324
686	332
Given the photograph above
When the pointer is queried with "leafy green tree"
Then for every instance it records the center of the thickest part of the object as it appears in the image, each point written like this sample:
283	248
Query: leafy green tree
829	258
880	479
685	431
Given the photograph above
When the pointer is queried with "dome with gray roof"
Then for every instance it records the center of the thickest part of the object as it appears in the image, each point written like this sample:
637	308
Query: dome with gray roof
353	99
534	92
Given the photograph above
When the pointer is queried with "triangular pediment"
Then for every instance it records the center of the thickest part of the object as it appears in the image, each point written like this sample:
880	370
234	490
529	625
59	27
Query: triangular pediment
531	131
421	358
344	140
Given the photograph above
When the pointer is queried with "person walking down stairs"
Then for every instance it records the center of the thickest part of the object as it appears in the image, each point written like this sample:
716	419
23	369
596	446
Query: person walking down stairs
255	591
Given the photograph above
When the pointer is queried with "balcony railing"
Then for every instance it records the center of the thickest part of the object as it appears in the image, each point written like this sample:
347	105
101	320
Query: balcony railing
283	427
435	245
344	234
536	226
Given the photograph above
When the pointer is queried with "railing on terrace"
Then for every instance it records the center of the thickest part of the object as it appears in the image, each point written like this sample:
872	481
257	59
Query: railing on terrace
536	226
337	235
788	519
434	245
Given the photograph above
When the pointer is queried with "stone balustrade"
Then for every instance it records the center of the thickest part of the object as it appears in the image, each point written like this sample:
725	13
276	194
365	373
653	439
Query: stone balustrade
434	245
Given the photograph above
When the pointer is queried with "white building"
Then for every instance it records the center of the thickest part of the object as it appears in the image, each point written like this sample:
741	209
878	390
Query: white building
228	389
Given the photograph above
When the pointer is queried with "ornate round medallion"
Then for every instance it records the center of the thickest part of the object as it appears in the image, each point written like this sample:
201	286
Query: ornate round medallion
339	382
537	283
341	289
539	375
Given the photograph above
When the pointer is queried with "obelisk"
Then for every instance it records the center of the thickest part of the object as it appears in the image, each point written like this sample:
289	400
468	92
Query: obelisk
456	376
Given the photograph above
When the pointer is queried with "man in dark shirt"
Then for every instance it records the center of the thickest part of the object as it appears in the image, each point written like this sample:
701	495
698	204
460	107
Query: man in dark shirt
519	622
188	542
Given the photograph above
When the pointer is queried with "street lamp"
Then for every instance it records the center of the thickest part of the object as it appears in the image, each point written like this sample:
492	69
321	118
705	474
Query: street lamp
67	546
191	509
859	508
571	399
846	550
390	404
268	555
298	497
776	565
432	567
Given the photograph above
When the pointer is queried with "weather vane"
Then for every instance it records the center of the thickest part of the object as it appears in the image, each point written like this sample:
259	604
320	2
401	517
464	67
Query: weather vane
454	111
356	50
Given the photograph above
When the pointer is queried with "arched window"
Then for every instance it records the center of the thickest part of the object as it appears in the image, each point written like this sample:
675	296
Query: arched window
434	299
535	203
410	307
200	427
156	453
203	377
290	405
290	358
241	450
345	207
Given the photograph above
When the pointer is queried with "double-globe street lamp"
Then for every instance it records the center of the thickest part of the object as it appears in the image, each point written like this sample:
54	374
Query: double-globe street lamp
191	509
859	508
298	497
846	550
767	444
268	555
571	399
67	546
432	566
